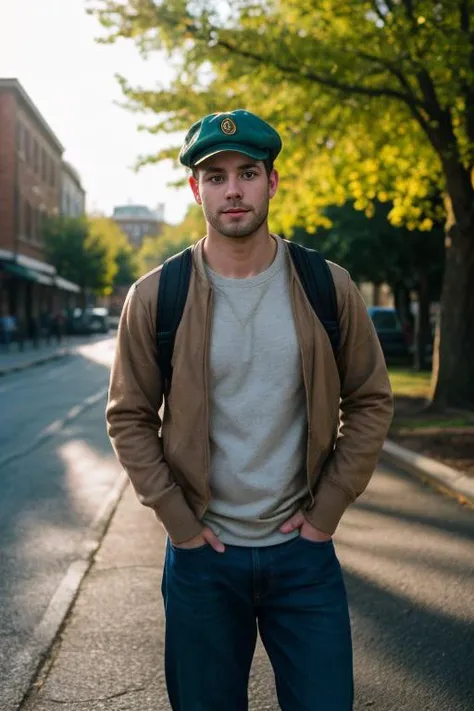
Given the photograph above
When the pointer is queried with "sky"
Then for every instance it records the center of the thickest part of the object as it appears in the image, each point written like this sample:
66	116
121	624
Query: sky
50	47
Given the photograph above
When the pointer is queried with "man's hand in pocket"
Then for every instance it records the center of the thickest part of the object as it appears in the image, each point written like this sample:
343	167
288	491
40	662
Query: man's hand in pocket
298	521
208	536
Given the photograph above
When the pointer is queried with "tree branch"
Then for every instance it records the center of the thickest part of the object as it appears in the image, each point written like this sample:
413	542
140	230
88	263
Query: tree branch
321	79
428	91
440	135
408	5
464	17
393	69
378	11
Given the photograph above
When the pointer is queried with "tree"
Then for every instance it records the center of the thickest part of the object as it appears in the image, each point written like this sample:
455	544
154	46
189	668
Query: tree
77	254
127	267
382	91
121	256
172	240
373	250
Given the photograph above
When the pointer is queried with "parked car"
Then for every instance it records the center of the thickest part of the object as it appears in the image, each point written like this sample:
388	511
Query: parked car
394	341
88	321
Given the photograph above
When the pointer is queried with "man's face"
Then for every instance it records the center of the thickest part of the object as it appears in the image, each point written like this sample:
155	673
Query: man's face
234	191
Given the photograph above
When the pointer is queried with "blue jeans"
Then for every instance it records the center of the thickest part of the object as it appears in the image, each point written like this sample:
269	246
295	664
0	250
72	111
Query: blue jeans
293	593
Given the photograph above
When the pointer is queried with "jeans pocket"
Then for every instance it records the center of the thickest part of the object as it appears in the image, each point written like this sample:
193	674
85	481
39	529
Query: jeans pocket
178	549
316	544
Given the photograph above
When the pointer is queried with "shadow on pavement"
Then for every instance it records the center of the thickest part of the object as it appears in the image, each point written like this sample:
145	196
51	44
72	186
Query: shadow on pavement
408	652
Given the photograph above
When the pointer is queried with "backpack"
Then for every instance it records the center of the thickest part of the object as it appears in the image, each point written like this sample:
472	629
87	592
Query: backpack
312	269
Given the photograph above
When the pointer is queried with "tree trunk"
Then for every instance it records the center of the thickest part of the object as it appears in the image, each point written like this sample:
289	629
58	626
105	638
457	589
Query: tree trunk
455	377
401	296
422	323
376	294
402	299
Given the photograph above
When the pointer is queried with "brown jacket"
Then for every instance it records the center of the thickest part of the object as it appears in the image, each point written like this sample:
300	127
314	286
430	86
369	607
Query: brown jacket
349	404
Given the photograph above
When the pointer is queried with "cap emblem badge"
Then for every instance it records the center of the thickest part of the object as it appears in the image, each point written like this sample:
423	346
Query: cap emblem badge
228	127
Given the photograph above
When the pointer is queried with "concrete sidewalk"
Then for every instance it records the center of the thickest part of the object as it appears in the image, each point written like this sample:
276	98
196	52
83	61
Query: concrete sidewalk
16	360
109	655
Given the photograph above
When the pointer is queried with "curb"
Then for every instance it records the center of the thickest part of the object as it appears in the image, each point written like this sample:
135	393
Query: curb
36	361
25	666
446	479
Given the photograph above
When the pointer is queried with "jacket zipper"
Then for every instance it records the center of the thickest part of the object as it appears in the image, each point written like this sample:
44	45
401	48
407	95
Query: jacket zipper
305	382
308	482
206	401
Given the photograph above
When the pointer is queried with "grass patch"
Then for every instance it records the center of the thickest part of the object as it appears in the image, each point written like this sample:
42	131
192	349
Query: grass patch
409	383
427	422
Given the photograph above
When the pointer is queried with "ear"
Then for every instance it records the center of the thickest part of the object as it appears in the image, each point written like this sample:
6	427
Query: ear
195	188
273	181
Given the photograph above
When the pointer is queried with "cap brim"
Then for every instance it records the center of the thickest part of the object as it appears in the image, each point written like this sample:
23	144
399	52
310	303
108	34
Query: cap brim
251	152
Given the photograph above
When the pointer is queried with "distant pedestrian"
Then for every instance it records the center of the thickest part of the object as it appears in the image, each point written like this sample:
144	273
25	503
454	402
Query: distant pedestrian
58	324
7	329
273	422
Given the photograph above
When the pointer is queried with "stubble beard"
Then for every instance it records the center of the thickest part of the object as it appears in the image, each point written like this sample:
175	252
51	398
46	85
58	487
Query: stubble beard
236	229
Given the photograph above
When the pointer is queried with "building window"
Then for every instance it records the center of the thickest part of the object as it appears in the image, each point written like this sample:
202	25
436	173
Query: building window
33	223
19	137
39	226
35	156
28	220
27	146
19	211
44	166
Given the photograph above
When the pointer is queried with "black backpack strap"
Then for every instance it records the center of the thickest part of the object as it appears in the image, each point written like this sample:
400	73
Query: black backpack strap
317	281
172	294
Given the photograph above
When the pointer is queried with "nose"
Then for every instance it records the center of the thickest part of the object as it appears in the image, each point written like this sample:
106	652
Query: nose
233	188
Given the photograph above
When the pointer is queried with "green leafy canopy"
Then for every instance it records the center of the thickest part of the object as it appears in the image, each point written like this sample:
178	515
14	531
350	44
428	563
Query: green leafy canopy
357	90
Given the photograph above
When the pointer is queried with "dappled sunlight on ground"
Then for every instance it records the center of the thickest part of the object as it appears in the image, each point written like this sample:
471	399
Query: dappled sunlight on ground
101	352
87	474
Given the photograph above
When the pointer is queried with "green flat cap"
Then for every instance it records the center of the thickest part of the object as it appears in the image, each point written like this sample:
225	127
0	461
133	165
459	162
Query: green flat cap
238	130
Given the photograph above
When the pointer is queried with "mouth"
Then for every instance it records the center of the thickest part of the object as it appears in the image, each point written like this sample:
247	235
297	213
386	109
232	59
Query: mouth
235	211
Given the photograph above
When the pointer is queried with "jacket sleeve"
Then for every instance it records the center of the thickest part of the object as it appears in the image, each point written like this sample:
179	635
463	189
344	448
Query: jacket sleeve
133	421
366	411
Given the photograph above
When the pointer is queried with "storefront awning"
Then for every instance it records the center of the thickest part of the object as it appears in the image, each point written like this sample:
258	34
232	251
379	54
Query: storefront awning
66	285
39	277
25	273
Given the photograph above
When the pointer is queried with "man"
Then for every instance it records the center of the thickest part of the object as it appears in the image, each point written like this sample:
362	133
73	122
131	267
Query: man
254	466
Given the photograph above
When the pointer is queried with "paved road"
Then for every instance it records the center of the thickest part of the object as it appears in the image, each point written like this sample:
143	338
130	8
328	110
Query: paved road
56	468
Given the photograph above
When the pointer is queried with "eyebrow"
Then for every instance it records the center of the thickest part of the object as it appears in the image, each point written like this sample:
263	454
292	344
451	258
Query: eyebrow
217	169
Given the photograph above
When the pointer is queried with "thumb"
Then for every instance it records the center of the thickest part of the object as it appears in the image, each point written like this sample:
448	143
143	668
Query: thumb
296	521
211	538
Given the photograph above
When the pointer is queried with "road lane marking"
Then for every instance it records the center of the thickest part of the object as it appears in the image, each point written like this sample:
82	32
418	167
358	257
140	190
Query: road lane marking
55	427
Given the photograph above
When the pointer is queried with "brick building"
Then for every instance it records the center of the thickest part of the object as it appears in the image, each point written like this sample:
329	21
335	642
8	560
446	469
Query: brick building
30	189
138	222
